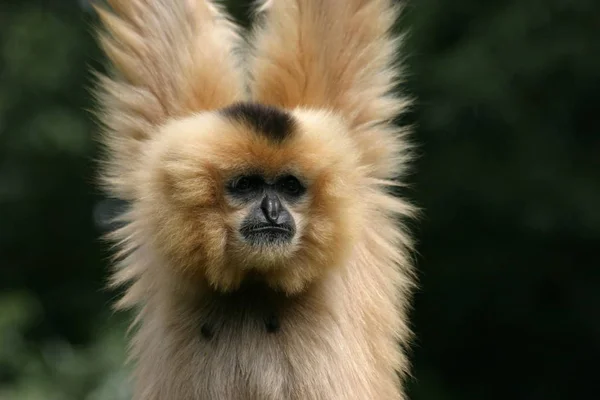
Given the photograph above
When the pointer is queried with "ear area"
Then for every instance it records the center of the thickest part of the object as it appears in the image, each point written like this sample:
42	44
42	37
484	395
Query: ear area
169	59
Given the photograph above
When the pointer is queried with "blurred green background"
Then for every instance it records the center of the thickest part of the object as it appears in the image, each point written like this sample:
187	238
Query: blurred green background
508	122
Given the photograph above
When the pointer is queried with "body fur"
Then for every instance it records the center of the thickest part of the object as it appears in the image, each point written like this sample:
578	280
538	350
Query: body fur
340	293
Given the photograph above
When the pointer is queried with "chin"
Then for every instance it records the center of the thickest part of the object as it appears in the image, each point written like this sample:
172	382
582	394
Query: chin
269	258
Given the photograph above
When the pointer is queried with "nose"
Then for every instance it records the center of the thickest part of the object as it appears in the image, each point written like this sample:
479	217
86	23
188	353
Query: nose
271	208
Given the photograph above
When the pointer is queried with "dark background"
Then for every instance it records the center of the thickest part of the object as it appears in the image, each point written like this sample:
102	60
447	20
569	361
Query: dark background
508	123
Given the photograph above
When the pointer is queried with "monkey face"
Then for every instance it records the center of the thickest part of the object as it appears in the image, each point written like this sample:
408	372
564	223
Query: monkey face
268	223
252	191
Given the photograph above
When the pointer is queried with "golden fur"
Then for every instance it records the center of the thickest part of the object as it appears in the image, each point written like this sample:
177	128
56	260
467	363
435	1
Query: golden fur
341	289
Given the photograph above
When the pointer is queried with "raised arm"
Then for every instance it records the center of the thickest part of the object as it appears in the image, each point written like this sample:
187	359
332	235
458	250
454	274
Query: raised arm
170	59
329	53
339	55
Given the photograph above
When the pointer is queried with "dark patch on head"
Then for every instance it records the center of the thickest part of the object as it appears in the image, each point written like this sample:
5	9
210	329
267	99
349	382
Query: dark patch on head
274	123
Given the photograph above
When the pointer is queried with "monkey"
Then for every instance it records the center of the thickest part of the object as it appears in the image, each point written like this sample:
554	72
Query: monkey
263	247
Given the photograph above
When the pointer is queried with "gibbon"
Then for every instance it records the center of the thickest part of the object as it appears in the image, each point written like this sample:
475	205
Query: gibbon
262	247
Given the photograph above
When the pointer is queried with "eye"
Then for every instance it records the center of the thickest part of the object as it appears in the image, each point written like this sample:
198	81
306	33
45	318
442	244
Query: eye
291	186
245	184
242	184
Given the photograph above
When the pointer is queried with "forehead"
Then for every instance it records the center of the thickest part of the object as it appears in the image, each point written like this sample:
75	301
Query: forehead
267	140
251	137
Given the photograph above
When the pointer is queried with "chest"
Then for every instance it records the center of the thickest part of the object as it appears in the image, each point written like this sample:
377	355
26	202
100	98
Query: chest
258	345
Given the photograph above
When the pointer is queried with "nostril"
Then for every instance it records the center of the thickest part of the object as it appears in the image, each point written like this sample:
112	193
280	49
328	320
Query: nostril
271	208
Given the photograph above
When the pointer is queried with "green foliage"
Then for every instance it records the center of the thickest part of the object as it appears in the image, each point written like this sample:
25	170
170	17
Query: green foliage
56	369
509	135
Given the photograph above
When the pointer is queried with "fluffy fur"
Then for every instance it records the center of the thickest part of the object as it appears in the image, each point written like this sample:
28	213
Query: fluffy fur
334	301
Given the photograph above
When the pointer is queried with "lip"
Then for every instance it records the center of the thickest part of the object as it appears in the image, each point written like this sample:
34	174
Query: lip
270	228
268	234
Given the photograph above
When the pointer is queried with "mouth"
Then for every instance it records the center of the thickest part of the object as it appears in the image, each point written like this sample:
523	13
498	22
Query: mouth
271	228
268	234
